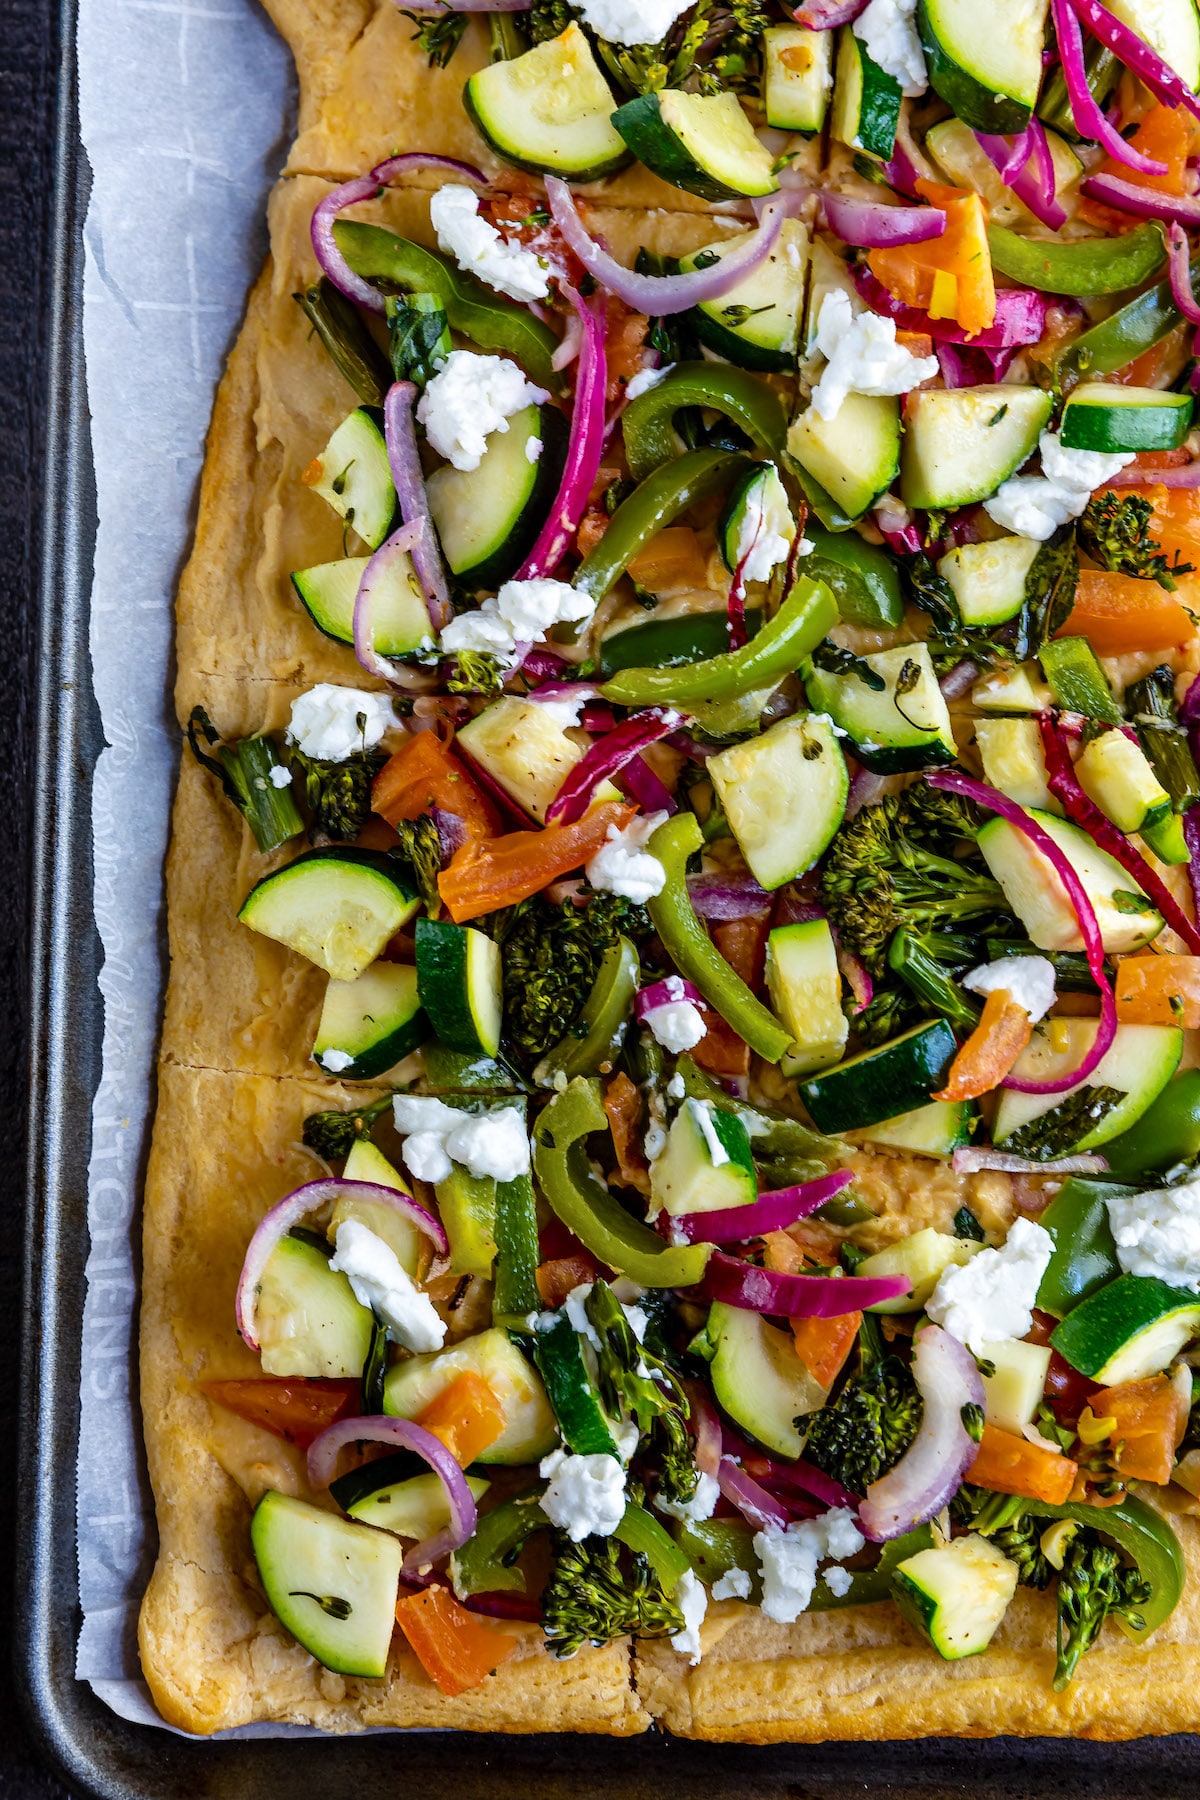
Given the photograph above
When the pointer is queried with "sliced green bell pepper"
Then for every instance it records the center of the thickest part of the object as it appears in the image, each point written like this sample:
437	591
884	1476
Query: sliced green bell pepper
1084	1255
558	1353
467	1204
586	1207
1125	334
485	318
807	615
862	578
666	643
647	422
715	1546
1102	265
516	1292
641	1531
661	497
689	946
1167	1133
602	1022
486	1563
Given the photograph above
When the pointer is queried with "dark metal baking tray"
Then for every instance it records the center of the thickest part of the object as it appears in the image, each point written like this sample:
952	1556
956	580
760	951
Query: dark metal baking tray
96	1752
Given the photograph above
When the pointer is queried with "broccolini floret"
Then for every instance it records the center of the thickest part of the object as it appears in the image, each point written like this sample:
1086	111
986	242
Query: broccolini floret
634	1381
551	955
1094	1583
419	852
475	672
1115	532
334	1134
595	1595
338	794
864	1432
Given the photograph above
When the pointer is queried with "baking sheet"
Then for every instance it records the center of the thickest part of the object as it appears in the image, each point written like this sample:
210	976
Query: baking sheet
185	111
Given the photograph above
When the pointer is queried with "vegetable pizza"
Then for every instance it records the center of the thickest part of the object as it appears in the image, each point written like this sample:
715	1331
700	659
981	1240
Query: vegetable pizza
675	1197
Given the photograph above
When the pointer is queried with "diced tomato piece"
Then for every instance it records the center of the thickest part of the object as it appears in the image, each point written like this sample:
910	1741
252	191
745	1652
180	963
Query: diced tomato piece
556	1279
456	1649
623	1104
423	773
1149	1420
290	1406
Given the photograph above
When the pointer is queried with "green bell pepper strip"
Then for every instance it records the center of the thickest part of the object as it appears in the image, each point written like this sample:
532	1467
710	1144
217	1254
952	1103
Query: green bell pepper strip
558	1353
485	318
1084	1255
467	1204
695	955
832	516
862	578
807	615
517	1255
647	422
661	497
715	1546
603	1020
1078	680
486	1563
586	1207
1167	1133
666	643
1089	266
1125	334
640	1530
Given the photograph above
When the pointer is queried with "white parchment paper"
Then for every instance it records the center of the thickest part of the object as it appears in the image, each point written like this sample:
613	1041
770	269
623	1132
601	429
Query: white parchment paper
185	112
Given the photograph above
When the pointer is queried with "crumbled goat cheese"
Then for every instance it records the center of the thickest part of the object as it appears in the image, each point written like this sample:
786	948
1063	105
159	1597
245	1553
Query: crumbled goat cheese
838	1580
733	1585
1029	979
623	865
281	777
470	397
478	247
632	21
1034	506
992	1296
701	1506
645	379
335	1060
492	1143
702	1114
676	1088
862	356
1158	1233
331	723
521	613
691	1597
381	1282
481	630
626	1436
888	29
677	1026
766	532
788	1559
575	1306
585	1495
533	449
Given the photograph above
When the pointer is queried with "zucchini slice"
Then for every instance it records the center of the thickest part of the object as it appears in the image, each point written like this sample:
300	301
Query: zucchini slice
903	725
956	1594
702	143
1172	27
332	1583
706	1165
758	1379
922	1258
525	750
400	614
870	1087
866	100
1126	918
855	455
1118	776
309	1322
784	794
353	474
989	77
989	579
961	443
805	988
1139	1062
1102	415
370	1024
529	1428
366	1163
412	1506
797	77
1133	1327
938	1129
338	907
755	522
458	974
1011	753
757	323
488	518
549	111
965	163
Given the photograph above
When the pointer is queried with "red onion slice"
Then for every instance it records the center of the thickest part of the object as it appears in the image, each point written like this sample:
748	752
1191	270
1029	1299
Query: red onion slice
665	993
404	459
379	1429
401	543
1008	155
959	680
807	1479
772	1292
825	15
1020	316
1137	55
1026	166
723	898
1186	476
1089	119
1143	203
930	1472
871	226
855	974
1191	823
585	444
752	1501
770	1212
297	1205
706	1428
644	786
366	187
970	1162
662	294
608	756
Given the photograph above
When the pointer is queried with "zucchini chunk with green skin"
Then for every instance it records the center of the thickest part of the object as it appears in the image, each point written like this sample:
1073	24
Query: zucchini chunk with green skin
487	518
549	111
904	726
756	519
1076	676
706	1165
1130	1329
338	907
853	456
399	612
757	323
702	143
370	1024
366	1163
1139	1063
784	794
331	1583
1012	1392
805	987
1017	690
309	1322
458	975
797	77
1011	753
525	751
870	1087
529	1428
1172	27
956	1594
989	579
989	78
961	443
1126	918
757	1377
922	1258
1119	777
866	100
1102	415
353	474
413	1508
938	1129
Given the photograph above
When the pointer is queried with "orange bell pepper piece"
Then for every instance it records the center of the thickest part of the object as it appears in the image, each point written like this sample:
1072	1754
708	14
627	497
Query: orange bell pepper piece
989	1053
1158	990
1012	1465
456	1649
949	277
1149	1420
466	1416
483	877
556	1278
423	773
1119	613
623	1104
293	1408
1163	135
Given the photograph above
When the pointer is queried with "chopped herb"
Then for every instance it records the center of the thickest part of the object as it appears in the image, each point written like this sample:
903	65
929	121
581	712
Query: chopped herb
966	1225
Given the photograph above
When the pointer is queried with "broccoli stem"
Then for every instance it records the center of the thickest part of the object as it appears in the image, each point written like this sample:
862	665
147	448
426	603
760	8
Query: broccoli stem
244	771
910	959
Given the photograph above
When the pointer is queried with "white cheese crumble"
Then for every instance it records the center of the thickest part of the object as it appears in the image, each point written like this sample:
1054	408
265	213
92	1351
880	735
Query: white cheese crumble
281	777
491	1143
331	723
1158	1233
862	356
701	1506
733	1585
470	397
1034	506
381	1282
677	1024
533	449
888	29
623	865
521	613
838	1580
788	1559
632	21
702	1114
626	1436
334	1061
575	1306
767	529
992	1296
585	1495
691	1597
478	247
1029	979
645	379
675	1088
